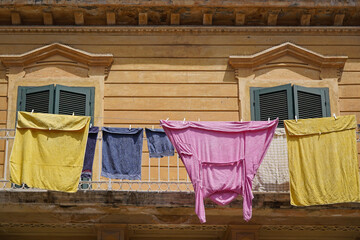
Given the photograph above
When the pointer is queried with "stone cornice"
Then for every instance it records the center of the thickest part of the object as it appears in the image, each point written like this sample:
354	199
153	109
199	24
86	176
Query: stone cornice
287	48
169	29
28	58
329	67
211	3
179	13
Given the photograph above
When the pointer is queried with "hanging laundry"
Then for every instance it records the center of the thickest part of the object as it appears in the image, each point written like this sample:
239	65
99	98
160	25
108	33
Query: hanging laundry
121	156
221	158
273	173
159	144
48	151
89	154
323	161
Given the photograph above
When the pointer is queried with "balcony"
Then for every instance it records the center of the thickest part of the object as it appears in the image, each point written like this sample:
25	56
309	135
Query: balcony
166	174
164	196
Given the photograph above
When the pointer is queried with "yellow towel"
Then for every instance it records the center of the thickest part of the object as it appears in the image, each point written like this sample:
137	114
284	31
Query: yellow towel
323	162
48	151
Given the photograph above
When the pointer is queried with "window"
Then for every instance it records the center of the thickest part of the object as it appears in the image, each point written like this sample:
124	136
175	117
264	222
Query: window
286	102
57	99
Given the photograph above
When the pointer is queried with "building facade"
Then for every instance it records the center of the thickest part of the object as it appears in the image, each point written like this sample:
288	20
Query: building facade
135	63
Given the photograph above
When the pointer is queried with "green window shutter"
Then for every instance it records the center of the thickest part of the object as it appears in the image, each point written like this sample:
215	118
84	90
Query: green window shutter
77	100
252	102
39	99
311	102
272	102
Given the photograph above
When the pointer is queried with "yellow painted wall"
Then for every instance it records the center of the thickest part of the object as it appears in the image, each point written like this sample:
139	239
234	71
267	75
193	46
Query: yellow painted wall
181	75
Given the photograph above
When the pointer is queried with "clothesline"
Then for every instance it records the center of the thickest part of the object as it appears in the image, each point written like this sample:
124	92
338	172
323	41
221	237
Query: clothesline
132	119
137	119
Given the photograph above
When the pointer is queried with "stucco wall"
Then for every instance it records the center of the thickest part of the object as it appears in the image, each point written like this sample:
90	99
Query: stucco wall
176	75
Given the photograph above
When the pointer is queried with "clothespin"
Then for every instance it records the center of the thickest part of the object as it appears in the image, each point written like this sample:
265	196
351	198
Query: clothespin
73	114
241	120
152	127
130	127
268	119
184	120
90	125
296	118
32	111
167	119
334	116
198	119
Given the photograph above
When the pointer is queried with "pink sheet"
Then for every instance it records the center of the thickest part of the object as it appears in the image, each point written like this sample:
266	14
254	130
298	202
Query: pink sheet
221	158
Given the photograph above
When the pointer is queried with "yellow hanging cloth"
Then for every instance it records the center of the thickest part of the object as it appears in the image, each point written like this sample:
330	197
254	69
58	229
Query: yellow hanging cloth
323	162
48	151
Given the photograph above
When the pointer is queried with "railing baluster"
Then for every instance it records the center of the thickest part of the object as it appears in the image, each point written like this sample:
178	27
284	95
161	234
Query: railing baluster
159	169
6	154
100	155
168	169
177	167
109	184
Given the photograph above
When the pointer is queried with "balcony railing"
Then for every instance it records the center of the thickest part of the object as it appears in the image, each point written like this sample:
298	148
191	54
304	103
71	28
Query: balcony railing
163	174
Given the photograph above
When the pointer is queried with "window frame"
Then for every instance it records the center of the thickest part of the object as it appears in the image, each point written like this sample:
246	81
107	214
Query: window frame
54	94
89	92
292	94
323	92
23	90
255	93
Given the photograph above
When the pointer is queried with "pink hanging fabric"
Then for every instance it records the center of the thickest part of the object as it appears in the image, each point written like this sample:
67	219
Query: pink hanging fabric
221	158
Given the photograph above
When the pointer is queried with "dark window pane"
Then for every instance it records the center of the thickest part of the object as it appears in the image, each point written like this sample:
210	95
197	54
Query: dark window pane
72	102
309	105
37	101
273	105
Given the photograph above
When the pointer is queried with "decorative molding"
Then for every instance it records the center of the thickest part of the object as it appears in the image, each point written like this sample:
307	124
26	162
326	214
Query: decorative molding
143	18
175	19
28	58
240	19
147	227
48	18
110	18
339	19
310	228
15	18
287	48
283	64
56	63
190	29
47	225
190	3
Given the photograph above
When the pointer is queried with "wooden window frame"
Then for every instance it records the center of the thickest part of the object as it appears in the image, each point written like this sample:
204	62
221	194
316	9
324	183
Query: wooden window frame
54	94
292	96
323	92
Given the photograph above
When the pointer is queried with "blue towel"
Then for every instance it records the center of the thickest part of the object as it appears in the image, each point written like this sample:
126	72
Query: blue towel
121	153
89	153
158	143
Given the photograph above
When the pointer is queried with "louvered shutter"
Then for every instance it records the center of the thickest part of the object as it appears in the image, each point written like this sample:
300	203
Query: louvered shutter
273	102
77	100
39	99
311	102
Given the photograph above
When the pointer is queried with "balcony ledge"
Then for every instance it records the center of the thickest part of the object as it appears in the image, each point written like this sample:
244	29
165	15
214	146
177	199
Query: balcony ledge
161	208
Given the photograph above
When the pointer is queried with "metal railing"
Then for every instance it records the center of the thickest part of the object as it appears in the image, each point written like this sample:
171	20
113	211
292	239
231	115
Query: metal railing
172	181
